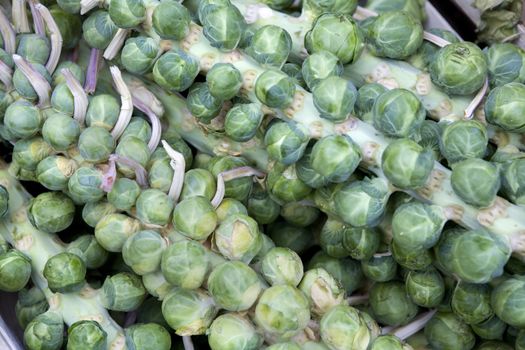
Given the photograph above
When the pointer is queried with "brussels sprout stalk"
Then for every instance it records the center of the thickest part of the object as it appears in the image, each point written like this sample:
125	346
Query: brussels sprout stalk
413	327
90	84
6	74
232	175
37	81
187	342
358	299
110	174
8	34
178	164
146	102
19	16
79	96
54	36
38	22
116	44
126	109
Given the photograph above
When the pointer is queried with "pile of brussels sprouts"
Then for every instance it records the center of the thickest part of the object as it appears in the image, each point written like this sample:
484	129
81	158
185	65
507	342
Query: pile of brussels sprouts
259	174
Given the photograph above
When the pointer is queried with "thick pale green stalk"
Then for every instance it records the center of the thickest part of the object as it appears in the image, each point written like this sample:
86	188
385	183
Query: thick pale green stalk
39	247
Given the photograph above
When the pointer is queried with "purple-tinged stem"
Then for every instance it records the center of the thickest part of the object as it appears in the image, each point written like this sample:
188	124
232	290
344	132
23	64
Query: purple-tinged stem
92	71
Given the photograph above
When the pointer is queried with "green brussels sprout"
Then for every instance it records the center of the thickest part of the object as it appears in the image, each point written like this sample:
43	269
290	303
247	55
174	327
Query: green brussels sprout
224	81
113	230
361	243
33	48
398	113
75	69
463	139
505	106
394	34
150	336
296	238
454	252
293	70
390	304
22	119
242	121
506	301
492	328
154	207
189	312
185	264
124	193
476	181
332	6
362	203
234	286
270	46
84	185
99	29
86	334
94	211
306	173
88	249
238	189
301	214
139	54
428	136
30	303
506	64
69	6
228	207
171	20
428	50
335	157
61	131
338	34
284	185
69	25
96	144
425	288
410	258
233	331
62	99
51	212
471	302
389	342
413	7
45	331
275	89
238	238
15	271
282	311
346	271
286	141
223	25
27	153
406	164
134	148
22	84
122	292
447	331
459	68
494	345
143	251
366	98
127	13
379	268
310	345
160	172
331	238
198	182
65	272
334	98
138	127
282	266
284	346
319	66
512	181
262	207
103	111
175	70
343	327
194	217
322	290
202	104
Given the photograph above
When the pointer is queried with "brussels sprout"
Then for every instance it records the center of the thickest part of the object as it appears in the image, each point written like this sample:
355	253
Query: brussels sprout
319	66
122	292
307	174
471	302
86	334
61	131
75	69
406	164
322	290
293	70
113	230
270	46
150	336
22	84
69	25
15	271
338	34
94	211
194	217
346	271
139	128
282	311
278	5
143	251
45	331
410	258
88	249
506	301
62	99
238	238
175	70
202	104
33	48
343	327
198	182
65	272
95	144
30	303
331	238
366	98
228	207
124	193
51	212
233	331
69	6
391	305
513	181
154	207
296	238
505	107
27	153
242	121
425	288
362	203
398	113
476	181
262	207
493	328
185	264
335	157
286	141
446	331
99	29
379	268
395	34
84	185
334	98
223	25
310	345
301	214
22	119
459	68
454	252
189	312
494	345
389	342
428	50
275	89
224	81
284	346
238	188
463	139
412	7
506	64
139	54
361	243
282	266
171	20
127	13
103	111
284	185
